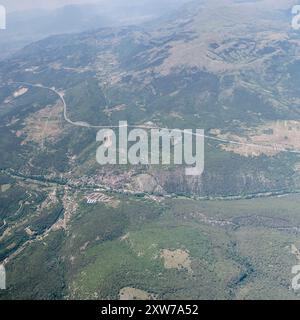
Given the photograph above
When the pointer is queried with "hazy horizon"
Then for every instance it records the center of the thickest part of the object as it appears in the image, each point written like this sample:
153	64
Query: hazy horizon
17	5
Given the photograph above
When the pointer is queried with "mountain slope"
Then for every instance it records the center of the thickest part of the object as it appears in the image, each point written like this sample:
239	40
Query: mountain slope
236	78
87	231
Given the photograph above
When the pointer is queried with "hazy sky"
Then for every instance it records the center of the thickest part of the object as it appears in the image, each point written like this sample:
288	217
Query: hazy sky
19	5
16	5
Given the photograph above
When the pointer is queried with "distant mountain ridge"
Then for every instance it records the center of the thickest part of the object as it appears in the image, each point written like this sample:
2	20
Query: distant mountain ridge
237	77
28	26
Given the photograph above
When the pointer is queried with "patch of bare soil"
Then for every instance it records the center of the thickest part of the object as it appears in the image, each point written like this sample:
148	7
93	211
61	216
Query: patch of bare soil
5	187
20	92
135	294
43	125
177	259
269	139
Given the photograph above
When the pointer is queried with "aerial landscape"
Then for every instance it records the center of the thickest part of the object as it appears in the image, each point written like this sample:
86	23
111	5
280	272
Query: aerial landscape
72	228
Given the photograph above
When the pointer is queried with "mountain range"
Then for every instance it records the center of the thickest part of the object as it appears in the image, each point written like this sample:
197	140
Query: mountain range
229	67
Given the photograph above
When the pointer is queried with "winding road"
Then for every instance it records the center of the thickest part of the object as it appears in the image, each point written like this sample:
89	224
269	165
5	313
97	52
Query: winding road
81	124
